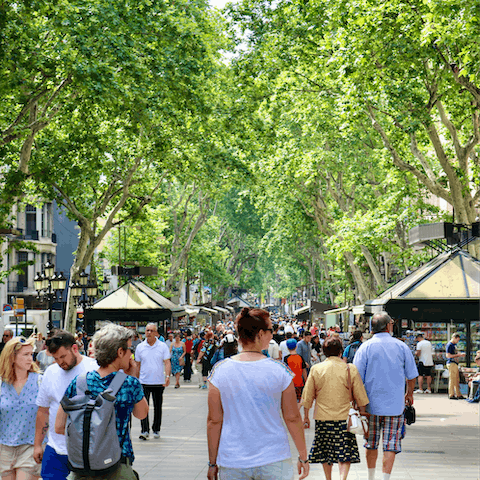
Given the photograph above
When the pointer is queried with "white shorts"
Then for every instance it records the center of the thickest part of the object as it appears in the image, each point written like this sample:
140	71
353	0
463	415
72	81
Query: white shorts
18	458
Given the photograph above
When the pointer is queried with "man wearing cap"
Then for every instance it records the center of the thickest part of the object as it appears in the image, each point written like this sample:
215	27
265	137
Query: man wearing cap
384	363
298	366
424	353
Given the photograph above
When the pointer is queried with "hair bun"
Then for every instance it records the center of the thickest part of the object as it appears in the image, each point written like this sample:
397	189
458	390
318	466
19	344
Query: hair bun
245	311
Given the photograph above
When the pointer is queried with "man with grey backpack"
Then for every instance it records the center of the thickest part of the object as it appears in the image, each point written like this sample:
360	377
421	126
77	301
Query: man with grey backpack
96	410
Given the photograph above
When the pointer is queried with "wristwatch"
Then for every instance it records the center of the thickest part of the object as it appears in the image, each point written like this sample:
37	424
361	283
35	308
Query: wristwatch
303	461
210	465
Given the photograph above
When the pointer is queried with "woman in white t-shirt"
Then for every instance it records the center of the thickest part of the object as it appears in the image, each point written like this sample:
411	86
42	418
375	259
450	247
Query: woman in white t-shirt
248	396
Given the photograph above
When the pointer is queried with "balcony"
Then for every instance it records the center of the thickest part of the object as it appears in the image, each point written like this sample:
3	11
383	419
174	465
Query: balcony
16	286
29	234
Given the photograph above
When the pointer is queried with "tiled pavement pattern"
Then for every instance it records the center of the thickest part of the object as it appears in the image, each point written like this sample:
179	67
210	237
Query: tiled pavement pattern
443	444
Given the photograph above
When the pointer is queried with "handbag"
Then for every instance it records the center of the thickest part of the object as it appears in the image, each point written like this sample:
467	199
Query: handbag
356	423
181	361
410	415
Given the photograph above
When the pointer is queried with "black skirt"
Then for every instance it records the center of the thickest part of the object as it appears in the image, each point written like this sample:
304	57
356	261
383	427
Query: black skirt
333	444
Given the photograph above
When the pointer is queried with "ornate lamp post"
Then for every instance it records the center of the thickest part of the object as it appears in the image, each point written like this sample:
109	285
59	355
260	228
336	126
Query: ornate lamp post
85	291
49	286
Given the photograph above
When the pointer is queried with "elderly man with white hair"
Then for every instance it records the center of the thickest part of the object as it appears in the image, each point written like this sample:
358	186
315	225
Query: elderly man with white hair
153	359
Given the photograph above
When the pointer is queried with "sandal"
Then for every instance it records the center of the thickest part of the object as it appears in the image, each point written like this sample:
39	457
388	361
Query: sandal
177	386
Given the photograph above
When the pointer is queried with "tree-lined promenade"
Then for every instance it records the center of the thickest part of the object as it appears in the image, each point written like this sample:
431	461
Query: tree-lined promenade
272	145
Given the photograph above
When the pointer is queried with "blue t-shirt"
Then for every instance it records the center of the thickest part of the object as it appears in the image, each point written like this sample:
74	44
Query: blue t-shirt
384	363
18	412
130	393
452	349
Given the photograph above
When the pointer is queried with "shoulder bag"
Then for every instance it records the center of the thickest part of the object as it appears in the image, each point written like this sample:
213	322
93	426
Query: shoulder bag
356	423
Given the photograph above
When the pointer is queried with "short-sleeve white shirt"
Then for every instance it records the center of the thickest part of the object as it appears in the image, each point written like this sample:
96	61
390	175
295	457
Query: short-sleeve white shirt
273	349
284	349
55	382
152	358
426	352
251	394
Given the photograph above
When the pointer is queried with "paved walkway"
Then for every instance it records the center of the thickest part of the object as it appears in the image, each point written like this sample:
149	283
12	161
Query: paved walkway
443	444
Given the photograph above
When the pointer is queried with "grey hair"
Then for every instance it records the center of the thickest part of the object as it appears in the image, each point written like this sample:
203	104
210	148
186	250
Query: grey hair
151	324
380	322
108	340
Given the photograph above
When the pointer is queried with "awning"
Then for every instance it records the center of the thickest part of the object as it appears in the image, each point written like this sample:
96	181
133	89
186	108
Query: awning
301	310
358	309
449	277
135	295
191	310
336	310
221	309
209	310
238	302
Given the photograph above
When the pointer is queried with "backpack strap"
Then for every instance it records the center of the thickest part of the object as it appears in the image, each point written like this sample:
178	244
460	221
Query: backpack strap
82	386
116	383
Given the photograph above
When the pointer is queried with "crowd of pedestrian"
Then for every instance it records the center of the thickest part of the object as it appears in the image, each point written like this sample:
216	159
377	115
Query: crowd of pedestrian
259	372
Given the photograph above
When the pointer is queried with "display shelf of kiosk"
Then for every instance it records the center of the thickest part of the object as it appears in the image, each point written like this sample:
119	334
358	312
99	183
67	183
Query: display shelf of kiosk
437	333
475	340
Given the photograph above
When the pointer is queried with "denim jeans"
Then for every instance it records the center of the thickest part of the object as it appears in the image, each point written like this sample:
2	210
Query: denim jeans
282	470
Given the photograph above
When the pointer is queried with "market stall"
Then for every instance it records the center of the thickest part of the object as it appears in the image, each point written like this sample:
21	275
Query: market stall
133	305
438	299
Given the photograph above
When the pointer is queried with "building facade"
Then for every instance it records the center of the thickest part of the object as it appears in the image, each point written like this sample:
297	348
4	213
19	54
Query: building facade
31	224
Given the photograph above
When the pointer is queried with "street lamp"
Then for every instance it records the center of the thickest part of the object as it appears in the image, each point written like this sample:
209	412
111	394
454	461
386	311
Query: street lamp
85	291
105	285
49	286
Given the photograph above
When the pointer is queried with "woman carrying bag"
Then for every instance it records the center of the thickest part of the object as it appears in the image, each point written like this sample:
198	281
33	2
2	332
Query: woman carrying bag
328	384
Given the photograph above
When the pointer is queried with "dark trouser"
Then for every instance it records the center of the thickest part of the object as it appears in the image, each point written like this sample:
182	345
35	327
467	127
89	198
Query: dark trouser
157	394
187	370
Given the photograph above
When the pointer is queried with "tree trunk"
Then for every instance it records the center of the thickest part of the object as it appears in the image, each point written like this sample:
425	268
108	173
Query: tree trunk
382	285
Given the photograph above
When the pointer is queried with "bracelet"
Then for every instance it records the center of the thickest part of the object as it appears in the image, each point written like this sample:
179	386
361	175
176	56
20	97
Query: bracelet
303	461
210	465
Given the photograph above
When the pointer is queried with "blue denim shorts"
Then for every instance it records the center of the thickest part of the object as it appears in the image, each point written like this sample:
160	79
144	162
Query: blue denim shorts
282	470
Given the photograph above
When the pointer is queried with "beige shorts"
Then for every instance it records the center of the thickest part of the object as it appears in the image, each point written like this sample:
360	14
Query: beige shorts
18	458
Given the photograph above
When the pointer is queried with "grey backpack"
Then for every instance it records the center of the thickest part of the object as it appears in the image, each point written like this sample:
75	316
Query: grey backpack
93	447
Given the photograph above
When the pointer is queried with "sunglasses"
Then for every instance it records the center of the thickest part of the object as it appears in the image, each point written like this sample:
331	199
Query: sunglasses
21	342
268	330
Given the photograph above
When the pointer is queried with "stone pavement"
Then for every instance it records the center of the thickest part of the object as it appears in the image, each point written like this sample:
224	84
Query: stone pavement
443	444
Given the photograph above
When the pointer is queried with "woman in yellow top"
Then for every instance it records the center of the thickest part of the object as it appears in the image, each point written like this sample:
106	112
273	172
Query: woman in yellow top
327	384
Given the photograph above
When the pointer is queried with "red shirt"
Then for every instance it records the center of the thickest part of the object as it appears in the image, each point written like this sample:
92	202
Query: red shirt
296	364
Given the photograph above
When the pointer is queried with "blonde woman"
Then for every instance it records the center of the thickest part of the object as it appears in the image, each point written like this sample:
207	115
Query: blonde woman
20	382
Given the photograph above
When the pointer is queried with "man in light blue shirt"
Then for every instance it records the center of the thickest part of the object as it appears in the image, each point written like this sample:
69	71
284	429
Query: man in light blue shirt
384	363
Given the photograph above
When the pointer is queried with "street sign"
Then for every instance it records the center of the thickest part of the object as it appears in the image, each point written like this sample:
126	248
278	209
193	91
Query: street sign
7	307
19	307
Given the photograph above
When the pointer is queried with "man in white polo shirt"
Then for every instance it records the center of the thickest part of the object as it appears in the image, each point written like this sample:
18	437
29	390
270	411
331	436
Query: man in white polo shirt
153	356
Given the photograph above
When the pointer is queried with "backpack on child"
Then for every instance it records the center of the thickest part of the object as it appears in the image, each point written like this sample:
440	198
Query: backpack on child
93	446
351	350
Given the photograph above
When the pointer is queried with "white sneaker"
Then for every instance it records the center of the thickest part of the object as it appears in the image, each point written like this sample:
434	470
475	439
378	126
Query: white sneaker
418	390
428	391
144	436
156	435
